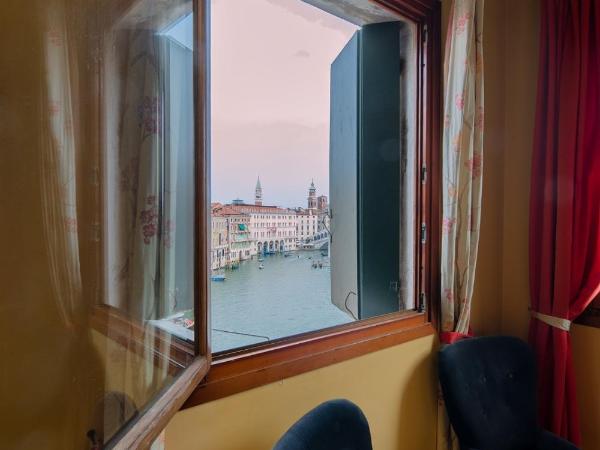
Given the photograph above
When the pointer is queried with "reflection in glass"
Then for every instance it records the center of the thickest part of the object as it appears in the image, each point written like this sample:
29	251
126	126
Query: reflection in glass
100	95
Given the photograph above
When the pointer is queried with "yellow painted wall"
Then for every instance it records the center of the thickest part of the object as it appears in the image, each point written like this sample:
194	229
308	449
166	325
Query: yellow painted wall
586	355
488	284
520	83
395	387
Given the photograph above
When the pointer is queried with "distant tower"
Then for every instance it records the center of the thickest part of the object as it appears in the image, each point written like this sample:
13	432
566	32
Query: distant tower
312	196
322	203
258	193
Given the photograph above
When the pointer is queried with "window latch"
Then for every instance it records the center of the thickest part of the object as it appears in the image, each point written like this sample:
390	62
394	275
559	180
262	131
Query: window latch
422	302
423	233
423	175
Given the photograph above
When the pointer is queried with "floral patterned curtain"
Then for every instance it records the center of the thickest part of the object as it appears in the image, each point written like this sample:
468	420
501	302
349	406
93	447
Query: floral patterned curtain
462	161
462	164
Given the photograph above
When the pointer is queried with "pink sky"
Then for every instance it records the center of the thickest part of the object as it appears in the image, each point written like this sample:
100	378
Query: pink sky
270	97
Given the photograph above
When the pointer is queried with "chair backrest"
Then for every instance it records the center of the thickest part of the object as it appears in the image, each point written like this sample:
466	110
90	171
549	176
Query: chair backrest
333	425
489	389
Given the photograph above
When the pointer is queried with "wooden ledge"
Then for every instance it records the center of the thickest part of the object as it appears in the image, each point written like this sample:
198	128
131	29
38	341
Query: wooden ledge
239	371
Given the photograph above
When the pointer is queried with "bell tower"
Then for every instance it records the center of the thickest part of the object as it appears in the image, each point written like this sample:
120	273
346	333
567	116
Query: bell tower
312	196
258	200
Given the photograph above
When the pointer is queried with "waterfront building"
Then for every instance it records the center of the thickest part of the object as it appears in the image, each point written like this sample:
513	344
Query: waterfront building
257	228
240	245
219	250
273	229
306	224
313	221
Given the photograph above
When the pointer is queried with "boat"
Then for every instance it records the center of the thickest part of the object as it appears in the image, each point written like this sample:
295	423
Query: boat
261	266
235	266
218	277
261	259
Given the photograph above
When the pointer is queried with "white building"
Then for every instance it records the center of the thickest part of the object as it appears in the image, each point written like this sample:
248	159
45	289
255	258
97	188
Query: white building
272	229
306	224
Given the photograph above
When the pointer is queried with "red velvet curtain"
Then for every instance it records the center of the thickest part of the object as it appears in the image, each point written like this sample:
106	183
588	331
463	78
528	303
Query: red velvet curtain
565	198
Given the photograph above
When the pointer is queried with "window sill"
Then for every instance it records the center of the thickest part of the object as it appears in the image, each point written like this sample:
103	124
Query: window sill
236	372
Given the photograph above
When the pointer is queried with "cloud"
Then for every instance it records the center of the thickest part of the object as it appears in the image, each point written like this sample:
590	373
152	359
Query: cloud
302	54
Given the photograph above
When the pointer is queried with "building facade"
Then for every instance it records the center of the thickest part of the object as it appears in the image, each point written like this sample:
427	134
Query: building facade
241	230
273	229
219	251
306	224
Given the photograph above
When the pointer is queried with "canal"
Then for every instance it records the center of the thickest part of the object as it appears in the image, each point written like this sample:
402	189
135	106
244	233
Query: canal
287	297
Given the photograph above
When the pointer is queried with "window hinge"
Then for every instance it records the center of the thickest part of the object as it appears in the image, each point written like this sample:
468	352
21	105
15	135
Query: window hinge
422	302
423	233
424	33
423	174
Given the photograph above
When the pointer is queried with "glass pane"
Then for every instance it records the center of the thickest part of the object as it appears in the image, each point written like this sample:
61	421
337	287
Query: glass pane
98	162
313	184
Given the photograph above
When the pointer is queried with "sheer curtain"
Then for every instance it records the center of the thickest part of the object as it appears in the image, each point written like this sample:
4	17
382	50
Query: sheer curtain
68	186
462	165
90	91
462	162
60	144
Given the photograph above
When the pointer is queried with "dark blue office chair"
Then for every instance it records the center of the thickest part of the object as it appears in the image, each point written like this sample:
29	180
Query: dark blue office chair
333	425
490	393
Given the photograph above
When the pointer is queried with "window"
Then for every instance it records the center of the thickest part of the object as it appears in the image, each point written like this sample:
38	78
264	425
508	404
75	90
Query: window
393	179
335	95
108	96
117	272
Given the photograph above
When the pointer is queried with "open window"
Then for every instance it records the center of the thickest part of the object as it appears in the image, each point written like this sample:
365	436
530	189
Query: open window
317	167
323	125
122	220
321	133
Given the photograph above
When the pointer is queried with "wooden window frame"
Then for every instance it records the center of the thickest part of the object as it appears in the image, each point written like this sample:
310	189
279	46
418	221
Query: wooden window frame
145	427
207	378
246	368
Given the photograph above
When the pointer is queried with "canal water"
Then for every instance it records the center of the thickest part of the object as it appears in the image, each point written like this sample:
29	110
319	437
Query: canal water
285	298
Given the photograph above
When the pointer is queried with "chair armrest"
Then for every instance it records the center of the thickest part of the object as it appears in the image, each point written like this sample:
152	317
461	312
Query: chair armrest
549	441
